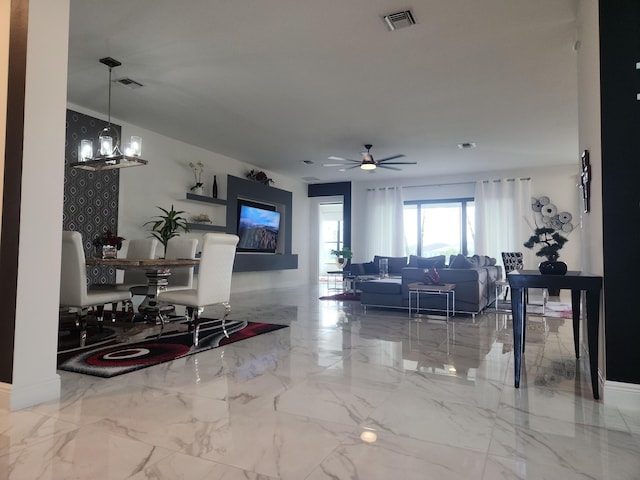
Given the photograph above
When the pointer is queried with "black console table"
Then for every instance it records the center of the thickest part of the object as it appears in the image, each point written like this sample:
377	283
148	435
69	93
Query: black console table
520	280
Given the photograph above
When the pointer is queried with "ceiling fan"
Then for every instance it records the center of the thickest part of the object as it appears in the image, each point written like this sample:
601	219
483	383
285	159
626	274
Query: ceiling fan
367	162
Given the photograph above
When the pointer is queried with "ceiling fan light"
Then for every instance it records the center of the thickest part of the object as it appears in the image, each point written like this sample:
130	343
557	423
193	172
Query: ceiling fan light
368	165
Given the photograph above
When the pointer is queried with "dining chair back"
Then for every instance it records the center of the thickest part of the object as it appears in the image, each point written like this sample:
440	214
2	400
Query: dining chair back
214	280
181	278
139	248
74	292
512	261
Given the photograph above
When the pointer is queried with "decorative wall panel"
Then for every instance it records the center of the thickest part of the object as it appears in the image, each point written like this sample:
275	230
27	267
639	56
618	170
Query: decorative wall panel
90	198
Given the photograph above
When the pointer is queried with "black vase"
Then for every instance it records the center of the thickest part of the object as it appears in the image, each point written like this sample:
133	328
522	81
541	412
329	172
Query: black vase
214	192
552	268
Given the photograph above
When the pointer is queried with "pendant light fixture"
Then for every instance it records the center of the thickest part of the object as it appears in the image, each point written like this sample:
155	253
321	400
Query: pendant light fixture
109	156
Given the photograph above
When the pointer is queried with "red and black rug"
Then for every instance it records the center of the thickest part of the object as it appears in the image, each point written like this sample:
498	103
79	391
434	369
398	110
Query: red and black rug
343	297
117	358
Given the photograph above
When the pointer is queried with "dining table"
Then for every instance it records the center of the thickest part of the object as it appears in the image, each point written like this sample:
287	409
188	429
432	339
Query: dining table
157	271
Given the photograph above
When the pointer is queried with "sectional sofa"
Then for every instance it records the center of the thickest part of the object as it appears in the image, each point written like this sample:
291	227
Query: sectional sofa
475	279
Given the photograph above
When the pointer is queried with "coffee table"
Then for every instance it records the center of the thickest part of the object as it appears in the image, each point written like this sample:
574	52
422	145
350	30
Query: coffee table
446	289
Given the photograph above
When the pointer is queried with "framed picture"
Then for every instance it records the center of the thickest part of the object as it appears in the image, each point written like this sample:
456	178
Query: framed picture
585	181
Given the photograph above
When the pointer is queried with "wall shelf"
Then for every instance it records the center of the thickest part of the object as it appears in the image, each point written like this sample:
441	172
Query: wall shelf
207	227
205	199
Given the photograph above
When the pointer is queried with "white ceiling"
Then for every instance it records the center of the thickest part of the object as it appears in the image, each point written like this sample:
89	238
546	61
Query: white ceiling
276	82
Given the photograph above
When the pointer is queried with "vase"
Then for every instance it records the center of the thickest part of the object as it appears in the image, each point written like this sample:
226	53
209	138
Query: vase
214	188
197	190
341	262
552	267
108	251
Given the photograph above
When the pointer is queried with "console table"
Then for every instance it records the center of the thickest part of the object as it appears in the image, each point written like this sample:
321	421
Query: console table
520	280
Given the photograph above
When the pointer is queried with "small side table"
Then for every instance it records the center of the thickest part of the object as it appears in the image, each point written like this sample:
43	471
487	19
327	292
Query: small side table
334	277
446	289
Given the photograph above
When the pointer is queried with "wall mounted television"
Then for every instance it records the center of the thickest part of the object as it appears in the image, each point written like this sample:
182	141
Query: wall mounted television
258	227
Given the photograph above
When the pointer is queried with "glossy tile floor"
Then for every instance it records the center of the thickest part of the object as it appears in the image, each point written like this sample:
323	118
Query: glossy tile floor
341	394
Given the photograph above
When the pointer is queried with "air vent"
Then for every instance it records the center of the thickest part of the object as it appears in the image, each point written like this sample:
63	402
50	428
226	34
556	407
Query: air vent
308	162
310	179
129	83
399	20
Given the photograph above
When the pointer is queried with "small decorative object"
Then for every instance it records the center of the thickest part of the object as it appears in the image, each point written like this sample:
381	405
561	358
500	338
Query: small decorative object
342	256
259	176
168	225
431	276
197	168
549	223
107	244
383	267
550	242
585	181
214	188
201	218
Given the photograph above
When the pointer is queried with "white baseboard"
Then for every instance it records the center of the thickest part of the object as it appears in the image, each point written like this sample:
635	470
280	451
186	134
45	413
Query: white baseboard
17	397
622	395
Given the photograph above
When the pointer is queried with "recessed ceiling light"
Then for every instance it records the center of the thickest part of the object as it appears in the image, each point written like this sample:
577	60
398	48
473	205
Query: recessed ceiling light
466	145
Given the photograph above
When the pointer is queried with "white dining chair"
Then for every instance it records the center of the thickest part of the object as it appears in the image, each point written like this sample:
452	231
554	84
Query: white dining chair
74	292
181	278
214	281
133	279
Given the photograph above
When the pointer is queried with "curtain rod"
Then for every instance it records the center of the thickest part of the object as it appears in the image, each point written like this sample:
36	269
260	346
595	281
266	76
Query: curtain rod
454	183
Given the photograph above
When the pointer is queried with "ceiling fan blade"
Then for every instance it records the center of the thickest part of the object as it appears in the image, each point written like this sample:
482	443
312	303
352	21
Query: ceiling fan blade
341	159
391	158
398	163
336	165
351	168
389	168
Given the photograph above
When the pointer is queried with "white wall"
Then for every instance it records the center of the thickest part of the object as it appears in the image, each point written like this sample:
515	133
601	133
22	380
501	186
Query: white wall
558	183
166	180
34	375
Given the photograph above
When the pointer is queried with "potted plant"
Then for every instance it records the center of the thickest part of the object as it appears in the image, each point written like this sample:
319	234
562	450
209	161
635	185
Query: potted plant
107	244
168	225
342	255
549	242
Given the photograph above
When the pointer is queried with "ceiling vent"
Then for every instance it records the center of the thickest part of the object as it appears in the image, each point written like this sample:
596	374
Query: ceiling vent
129	83
399	20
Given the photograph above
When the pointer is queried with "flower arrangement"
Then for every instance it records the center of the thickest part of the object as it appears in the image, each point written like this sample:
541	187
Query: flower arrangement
198	169
259	176
549	223
107	238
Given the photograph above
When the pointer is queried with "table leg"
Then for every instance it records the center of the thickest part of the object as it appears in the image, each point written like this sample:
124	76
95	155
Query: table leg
517	312
575	312
593	326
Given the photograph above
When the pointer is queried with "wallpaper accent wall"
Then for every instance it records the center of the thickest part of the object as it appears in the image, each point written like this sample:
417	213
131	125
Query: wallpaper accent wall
90	198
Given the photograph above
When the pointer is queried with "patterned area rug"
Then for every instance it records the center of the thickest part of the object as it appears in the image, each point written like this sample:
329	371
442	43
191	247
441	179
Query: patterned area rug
344	296
117	358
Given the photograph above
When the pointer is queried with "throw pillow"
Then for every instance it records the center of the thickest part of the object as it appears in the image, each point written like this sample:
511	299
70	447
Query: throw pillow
437	261
370	268
461	262
479	260
396	264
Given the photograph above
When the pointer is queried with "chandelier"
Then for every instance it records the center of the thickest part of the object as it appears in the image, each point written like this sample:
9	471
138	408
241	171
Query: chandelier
108	155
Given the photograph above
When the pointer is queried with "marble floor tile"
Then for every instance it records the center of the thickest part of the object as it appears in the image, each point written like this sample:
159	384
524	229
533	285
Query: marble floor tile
342	393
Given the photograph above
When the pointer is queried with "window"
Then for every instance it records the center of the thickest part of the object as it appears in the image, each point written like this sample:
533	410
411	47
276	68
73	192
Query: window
331	234
439	227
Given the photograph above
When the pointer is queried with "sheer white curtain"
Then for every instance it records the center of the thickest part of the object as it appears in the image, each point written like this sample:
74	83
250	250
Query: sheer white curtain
501	208
385	224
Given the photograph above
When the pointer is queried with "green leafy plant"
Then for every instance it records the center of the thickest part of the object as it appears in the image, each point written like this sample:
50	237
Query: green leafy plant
549	241
344	252
167	226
